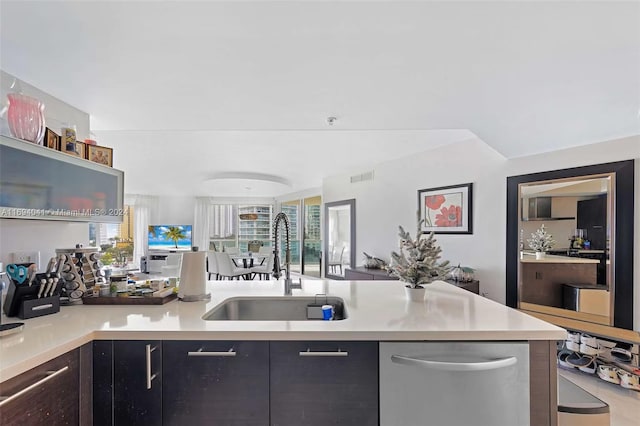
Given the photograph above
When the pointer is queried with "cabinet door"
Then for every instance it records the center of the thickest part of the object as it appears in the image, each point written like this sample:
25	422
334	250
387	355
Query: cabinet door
102	383
350	274
592	216
45	395
137	382
321	383
215	382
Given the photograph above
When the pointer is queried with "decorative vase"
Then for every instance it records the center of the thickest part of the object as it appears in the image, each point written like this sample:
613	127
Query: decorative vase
415	294
25	117
540	255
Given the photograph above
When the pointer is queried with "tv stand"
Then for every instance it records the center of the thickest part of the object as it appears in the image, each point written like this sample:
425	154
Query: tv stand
155	261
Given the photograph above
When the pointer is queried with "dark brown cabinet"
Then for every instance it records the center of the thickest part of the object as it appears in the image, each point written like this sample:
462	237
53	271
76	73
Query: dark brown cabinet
45	395
215	382
102	371
364	274
322	383
592	216
137	382
243	383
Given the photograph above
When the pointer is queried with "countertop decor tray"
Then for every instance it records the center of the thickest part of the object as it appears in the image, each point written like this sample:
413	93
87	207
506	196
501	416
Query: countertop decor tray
129	300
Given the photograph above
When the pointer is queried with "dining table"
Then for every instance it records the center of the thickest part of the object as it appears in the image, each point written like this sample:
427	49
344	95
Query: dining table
248	260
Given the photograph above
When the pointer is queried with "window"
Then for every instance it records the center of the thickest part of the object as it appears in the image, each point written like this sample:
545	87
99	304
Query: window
115	240
222	228
226	229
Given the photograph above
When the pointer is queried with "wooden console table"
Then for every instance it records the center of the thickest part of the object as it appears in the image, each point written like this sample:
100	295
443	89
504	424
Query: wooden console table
361	273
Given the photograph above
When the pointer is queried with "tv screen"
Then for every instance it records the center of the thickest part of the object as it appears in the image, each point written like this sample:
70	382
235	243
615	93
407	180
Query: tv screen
170	237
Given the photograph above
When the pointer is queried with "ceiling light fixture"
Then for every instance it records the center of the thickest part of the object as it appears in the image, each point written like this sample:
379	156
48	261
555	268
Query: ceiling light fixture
243	183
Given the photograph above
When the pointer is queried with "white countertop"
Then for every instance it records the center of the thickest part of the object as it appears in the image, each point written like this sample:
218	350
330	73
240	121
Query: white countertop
377	310
550	258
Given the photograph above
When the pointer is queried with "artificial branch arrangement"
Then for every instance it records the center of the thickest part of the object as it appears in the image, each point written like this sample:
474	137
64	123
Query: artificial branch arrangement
417	263
541	240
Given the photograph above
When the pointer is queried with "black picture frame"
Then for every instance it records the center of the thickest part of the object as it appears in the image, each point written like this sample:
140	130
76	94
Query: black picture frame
446	209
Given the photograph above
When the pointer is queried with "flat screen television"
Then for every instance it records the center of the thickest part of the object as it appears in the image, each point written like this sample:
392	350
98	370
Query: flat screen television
170	237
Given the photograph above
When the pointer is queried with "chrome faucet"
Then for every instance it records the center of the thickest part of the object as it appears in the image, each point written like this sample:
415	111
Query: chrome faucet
288	284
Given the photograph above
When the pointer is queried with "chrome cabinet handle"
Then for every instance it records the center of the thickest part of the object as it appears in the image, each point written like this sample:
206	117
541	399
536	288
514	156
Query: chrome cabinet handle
481	365
50	375
150	376
308	352
200	352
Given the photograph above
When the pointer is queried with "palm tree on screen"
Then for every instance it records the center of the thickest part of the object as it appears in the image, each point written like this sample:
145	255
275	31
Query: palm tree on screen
174	234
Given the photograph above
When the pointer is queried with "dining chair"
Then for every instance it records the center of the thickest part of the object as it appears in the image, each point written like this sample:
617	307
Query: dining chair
232	250
265	269
212	265
336	262
226	268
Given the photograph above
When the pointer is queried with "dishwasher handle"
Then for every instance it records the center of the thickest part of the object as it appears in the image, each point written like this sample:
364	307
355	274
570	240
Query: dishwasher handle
481	364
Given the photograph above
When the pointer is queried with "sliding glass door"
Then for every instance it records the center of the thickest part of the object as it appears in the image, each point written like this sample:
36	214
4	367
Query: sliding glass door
312	244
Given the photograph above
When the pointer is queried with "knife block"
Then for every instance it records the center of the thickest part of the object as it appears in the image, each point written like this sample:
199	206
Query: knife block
31	308
22	300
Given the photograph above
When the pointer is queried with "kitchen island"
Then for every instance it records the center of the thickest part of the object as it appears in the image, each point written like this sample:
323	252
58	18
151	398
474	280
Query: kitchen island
376	311
542	280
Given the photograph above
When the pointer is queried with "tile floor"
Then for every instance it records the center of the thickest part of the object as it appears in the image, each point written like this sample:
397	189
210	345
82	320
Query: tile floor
624	403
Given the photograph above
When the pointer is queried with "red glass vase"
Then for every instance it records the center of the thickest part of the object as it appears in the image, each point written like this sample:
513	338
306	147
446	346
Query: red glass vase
25	117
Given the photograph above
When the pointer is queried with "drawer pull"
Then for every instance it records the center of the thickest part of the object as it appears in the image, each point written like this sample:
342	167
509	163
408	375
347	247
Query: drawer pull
480	365
200	352
308	352
50	375
150	376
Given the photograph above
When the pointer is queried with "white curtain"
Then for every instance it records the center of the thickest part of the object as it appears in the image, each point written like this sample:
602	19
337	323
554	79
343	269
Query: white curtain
202	223
143	205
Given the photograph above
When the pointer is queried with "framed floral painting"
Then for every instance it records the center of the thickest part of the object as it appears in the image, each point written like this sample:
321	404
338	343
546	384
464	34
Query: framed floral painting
446	210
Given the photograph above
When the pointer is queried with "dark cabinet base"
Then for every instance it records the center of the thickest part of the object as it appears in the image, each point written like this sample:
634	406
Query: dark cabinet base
365	274
324	388
203	385
55	401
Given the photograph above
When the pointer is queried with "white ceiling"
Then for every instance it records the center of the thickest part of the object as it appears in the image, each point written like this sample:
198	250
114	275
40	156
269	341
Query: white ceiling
185	90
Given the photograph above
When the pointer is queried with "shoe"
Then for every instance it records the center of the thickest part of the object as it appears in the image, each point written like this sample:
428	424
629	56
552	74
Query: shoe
589	340
590	350
590	368
621	353
573	341
579	360
628	380
562	359
608	373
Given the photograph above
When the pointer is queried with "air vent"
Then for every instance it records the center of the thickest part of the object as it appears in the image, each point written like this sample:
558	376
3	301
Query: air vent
363	177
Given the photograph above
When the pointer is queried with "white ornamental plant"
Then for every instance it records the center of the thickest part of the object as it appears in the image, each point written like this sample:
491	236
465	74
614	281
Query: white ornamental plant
541	241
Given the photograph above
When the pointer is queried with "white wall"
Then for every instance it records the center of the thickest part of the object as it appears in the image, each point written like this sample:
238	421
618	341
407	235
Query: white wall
175	210
391	200
40	235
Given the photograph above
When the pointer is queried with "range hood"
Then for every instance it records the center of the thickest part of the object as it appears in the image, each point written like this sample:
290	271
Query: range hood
539	208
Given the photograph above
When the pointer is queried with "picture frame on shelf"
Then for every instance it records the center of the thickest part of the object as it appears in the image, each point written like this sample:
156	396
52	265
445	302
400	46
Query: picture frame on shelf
75	148
446	209
100	154
51	139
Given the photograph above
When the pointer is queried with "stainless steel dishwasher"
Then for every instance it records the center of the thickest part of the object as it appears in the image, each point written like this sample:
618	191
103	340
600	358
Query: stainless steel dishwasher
454	384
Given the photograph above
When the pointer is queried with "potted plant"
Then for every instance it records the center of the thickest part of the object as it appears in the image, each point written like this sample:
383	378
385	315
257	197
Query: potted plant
417	263
541	241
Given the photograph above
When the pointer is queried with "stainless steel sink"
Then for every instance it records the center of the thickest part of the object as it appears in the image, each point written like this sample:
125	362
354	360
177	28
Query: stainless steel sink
275	308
